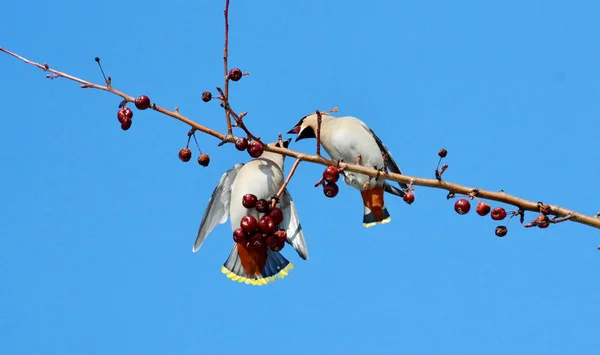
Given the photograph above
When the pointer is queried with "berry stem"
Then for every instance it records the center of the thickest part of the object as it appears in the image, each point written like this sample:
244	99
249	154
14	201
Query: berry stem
286	182
226	70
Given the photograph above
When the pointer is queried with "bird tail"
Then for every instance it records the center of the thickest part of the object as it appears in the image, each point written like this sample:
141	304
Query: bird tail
255	266
375	210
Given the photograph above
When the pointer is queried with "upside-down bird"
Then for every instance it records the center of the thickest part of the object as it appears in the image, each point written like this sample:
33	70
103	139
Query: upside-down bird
262	177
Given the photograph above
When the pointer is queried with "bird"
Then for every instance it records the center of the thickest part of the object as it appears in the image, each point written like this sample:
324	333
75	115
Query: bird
262	177
350	140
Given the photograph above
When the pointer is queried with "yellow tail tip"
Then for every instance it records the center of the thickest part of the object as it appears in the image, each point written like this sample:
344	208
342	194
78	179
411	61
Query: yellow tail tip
257	282
371	224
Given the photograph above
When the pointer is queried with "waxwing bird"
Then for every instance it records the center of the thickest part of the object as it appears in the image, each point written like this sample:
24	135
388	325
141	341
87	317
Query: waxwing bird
350	140
262	177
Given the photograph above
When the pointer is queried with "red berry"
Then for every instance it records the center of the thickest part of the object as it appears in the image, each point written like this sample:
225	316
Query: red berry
241	144
266	224
142	102
204	160
239	236
263	206
279	245
443	152
249	224
255	149
185	154
462	206
501	231
409	198
542	221
498	214
281	234
249	200
126	124
272	242
330	189
206	96
277	215
257	240
124	113
331	174
235	74
482	208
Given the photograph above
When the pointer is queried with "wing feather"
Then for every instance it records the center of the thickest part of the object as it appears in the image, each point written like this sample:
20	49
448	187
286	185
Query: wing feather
390	162
217	210
292	226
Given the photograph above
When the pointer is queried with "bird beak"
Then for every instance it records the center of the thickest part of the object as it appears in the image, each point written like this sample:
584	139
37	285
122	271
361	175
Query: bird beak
294	130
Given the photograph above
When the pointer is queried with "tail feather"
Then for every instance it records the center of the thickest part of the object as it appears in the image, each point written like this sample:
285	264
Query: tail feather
375	210
242	266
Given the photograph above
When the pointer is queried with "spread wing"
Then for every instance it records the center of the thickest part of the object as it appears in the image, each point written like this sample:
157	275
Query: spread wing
390	163
291	224
217	210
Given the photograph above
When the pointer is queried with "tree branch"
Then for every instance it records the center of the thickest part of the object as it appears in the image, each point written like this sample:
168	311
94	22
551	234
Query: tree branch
520	203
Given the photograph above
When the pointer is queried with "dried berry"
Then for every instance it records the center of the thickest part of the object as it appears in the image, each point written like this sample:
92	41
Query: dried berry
235	74
281	234
185	154
542	221
124	113
204	160
498	214
482	208
142	102
501	231
206	96
443	152
126	124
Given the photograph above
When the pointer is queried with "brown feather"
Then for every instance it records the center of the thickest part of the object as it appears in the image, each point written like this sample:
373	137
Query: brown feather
373	199
253	259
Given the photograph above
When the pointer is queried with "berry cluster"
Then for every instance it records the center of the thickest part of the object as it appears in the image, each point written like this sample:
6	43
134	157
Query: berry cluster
329	181
255	149
463	206
125	115
262	233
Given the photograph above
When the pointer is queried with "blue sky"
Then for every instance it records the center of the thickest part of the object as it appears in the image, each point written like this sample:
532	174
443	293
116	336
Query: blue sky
97	224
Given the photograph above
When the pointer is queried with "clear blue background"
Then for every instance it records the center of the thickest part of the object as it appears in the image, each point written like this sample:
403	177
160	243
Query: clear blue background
97	224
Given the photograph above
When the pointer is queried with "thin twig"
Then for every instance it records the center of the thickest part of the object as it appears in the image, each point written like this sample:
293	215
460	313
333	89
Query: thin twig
453	188
287	181
226	70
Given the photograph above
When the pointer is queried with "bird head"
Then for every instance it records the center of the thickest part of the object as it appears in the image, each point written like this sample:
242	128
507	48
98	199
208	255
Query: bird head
306	127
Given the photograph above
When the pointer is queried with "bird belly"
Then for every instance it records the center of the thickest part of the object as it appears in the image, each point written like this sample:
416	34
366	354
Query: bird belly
347	148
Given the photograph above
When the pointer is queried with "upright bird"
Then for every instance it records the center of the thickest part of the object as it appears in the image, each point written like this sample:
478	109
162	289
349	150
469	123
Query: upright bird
350	140
261	177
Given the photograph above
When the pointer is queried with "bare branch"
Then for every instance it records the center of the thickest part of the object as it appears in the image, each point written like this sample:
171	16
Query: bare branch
452	188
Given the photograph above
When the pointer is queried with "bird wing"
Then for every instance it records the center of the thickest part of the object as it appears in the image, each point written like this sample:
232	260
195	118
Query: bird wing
291	224
217	210
389	162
